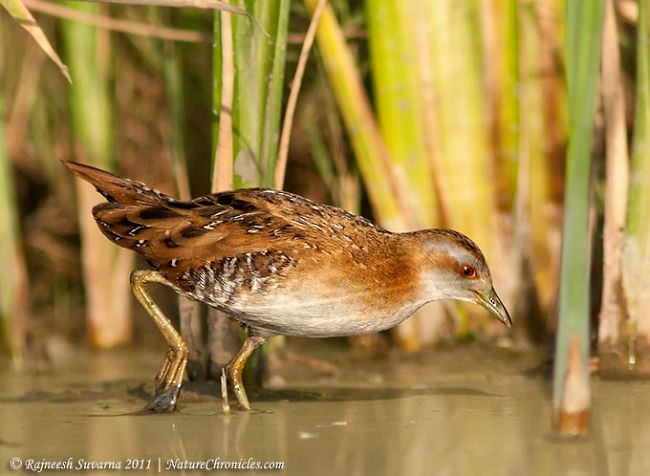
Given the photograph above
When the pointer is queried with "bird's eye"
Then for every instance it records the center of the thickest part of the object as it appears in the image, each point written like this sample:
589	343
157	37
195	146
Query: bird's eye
467	271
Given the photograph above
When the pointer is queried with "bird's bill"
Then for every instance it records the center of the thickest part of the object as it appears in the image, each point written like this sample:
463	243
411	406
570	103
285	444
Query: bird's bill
490	301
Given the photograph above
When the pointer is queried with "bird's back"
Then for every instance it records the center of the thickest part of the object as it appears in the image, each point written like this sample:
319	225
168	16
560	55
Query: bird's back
248	225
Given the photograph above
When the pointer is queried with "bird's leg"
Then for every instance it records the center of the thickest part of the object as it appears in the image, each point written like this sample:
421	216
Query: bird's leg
169	379
236	366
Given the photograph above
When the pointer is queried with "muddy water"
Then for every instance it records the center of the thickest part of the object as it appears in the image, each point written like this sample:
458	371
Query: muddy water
445	413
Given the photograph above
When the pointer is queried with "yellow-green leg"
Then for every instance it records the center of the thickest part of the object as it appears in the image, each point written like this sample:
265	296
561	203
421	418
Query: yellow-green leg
170	378
235	367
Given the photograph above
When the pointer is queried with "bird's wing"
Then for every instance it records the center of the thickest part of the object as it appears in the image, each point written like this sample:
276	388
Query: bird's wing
175	236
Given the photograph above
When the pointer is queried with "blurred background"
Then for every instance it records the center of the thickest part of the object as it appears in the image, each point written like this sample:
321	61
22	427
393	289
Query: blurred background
458	114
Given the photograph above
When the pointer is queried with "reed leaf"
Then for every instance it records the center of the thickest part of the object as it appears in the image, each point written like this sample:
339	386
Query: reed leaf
220	5
22	15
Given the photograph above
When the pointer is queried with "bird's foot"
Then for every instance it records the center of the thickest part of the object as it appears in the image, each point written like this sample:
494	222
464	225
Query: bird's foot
240	392
168	382
164	401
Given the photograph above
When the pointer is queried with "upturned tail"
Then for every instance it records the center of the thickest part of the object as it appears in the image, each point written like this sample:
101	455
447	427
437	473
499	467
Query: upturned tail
117	189
135	213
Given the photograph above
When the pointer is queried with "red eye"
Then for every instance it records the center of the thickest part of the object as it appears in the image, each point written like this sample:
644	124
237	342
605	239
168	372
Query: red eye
467	271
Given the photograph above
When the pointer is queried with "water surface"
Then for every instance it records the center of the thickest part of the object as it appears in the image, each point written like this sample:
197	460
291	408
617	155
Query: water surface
455	412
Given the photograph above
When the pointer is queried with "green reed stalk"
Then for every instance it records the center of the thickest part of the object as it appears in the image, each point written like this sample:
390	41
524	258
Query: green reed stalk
395	39
246	120
259	79
571	392
398	37
172	67
106	267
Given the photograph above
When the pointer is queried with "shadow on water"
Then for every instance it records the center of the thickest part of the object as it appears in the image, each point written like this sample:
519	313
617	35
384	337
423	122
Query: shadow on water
350	394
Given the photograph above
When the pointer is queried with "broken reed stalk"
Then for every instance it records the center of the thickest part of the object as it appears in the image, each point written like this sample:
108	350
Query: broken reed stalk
225	406
571	372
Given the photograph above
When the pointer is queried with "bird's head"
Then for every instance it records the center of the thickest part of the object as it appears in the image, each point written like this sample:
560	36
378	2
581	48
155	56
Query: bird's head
453	267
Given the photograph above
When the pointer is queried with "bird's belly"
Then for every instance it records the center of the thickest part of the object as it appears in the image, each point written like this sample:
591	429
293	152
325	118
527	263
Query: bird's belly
320	307
320	317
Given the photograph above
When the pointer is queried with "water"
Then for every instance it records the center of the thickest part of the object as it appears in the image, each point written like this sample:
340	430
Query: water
456	412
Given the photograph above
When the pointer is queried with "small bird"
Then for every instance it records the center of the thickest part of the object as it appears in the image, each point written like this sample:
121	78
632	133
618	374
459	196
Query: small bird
280	264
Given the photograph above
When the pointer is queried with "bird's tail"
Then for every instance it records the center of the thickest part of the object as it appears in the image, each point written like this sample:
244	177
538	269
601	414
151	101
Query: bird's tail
117	189
133	211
